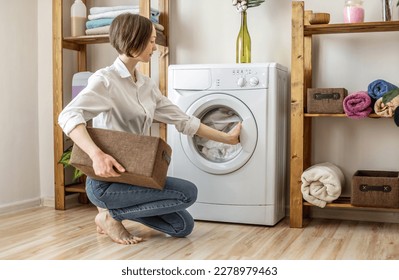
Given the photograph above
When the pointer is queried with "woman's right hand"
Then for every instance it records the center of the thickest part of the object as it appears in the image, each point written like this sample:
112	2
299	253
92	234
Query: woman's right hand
105	165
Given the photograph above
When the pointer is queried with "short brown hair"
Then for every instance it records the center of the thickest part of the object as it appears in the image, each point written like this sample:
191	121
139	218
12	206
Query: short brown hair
130	33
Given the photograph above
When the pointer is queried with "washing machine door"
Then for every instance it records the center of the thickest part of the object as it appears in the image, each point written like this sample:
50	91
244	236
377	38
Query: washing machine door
222	112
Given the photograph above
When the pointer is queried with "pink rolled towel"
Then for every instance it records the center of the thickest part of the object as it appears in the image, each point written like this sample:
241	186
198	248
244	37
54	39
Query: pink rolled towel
357	105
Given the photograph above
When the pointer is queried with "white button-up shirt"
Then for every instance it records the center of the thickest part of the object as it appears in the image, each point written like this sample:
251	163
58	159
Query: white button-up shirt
114	101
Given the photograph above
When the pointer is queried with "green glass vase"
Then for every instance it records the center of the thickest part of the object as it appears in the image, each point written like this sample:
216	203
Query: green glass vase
243	44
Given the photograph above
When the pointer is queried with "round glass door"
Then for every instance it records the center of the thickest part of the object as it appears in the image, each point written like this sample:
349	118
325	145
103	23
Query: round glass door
222	112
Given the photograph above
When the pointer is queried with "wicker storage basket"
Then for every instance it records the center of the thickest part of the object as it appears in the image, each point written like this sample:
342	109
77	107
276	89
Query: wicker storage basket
326	100
375	189
145	158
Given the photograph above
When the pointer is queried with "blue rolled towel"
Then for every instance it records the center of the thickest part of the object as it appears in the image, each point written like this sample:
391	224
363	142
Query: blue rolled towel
379	87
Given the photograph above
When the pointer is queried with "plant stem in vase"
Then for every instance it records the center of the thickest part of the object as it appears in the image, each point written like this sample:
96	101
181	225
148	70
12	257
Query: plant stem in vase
243	44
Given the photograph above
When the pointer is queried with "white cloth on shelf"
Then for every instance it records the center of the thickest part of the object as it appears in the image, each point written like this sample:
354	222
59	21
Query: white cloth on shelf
113	14
102	30
99	10
322	183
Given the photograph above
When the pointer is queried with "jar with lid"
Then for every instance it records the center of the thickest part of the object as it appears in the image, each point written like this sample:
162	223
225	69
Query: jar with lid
353	11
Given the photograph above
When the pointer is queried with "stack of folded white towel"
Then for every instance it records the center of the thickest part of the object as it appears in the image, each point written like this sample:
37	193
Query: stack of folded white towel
100	18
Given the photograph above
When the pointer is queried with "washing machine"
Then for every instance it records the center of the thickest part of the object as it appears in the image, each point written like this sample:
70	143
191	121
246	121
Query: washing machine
243	183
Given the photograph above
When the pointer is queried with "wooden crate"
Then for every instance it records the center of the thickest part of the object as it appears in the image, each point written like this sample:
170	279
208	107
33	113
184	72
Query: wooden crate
326	100
375	189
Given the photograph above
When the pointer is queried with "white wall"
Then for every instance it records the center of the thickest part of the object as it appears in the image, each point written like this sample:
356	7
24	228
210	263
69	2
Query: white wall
205	31
45	98
19	162
200	32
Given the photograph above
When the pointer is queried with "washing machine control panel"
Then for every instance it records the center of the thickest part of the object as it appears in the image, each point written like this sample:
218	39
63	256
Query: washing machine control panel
240	78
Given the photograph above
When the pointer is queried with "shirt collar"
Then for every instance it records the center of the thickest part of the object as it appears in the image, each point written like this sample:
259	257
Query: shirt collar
124	72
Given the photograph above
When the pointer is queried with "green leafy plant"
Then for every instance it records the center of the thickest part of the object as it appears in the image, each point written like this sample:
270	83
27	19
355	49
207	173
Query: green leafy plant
243	5
65	158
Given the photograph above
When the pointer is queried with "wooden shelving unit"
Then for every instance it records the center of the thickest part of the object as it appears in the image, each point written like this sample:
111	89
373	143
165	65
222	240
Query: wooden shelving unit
301	79
78	44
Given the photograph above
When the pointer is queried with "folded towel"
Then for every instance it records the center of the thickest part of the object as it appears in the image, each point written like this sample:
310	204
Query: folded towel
357	105
387	104
98	22
94	23
101	30
100	10
322	183
113	14
98	30
379	87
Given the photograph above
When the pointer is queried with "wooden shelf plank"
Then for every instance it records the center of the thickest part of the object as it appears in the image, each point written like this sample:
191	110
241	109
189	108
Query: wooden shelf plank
314	115
69	42
380	26
344	203
76	188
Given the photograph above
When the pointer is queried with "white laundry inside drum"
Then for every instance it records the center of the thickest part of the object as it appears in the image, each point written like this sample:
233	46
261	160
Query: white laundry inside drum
222	119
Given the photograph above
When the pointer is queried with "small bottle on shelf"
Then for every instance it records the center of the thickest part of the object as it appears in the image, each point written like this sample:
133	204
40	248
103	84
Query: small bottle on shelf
353	11
78	18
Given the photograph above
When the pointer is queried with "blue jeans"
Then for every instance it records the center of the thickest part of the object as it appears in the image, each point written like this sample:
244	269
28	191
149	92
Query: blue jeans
163	210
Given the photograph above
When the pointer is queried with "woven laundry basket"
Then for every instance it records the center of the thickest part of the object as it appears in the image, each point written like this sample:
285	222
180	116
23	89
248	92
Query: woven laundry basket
375	189
326	100
145	158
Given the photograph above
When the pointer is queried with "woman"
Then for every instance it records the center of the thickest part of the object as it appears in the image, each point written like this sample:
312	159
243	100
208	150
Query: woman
120	98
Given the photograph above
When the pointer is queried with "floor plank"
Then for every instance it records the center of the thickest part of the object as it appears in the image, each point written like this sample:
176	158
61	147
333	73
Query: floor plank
43	233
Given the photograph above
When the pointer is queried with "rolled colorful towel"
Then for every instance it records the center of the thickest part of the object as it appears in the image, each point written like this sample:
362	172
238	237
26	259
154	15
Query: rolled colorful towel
357	105
378	88
396	116
322	183
387	104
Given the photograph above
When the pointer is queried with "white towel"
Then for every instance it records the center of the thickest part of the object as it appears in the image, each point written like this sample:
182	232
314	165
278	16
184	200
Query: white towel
113	14
322	183
99	10
102	30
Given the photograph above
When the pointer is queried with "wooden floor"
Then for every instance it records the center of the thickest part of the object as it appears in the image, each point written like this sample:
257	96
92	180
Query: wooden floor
45	233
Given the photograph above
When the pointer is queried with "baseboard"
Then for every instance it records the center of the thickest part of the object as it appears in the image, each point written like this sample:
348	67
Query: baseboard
356	215
70	200
20	205
353	214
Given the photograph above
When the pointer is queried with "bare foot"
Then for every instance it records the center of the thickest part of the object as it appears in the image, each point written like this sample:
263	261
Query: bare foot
114	229
99	230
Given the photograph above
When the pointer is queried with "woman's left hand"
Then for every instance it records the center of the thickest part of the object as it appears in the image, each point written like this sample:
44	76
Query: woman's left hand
232	137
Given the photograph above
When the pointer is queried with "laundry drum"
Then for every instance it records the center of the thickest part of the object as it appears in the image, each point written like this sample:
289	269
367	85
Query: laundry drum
221	112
